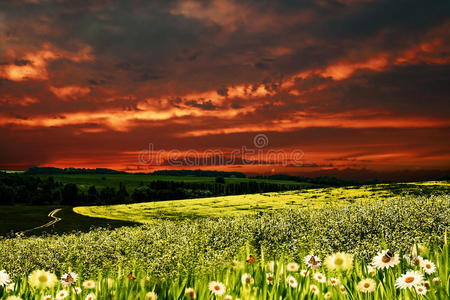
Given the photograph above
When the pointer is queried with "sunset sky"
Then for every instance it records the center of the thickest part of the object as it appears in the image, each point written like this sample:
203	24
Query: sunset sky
351	84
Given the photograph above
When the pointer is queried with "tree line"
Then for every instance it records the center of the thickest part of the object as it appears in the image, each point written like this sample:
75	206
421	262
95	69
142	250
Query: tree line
27	189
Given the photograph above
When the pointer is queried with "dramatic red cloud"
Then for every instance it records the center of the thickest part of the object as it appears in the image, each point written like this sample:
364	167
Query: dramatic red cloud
91	85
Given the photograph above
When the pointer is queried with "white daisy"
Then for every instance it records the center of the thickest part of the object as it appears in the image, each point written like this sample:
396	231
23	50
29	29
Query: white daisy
4	278
436	281
41	279
327	295
190	293
217	288
269	278
234	263
69	279
421	290
417	261
47	297
367	285
312	261
313	288
343	290
228	297
10	287
91	297
77	290
333	281
291	281
385	259
89	284
339	261
247	279
428	266
303	273
62	294
151	296
418	249
320	277
371	271
14	298
408	280
292	267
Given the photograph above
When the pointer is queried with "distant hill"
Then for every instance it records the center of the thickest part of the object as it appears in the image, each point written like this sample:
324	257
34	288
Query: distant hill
52	170
199	173
193	173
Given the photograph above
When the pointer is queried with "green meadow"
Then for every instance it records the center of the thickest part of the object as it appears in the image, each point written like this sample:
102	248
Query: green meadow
228	206
131	181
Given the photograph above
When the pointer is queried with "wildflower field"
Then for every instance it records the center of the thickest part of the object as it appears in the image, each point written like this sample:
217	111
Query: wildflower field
421	273
393	248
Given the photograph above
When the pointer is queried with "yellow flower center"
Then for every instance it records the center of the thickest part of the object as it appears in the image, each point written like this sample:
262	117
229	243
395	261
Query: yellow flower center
428	266
43	278
217	287
366	285
420	289
409	279
338	261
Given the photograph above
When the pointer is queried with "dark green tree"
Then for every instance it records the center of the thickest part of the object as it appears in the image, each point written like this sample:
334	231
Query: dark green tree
70	194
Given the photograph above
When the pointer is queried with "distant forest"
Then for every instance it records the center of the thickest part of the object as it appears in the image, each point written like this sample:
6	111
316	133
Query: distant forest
28	189
195	173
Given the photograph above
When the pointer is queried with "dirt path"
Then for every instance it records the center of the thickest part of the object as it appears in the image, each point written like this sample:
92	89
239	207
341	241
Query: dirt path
51	215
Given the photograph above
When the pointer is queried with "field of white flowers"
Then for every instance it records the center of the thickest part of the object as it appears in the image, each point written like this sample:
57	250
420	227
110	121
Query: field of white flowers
421	273
182	259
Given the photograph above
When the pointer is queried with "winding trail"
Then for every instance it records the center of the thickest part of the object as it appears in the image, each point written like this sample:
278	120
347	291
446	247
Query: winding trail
51	215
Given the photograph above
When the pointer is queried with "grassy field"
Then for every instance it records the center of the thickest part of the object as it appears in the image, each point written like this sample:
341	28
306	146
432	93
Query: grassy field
245	204
132	181
22	217
172	257
259	279
12	171
183	249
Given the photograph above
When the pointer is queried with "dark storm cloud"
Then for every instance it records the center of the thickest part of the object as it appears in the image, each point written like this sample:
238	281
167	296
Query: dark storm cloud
408	90
178	67
147	33
202	104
